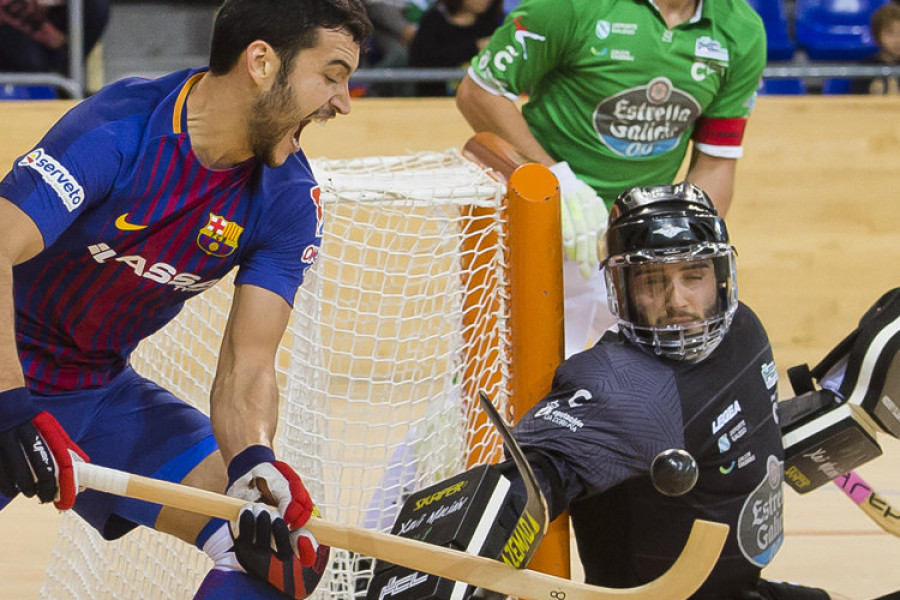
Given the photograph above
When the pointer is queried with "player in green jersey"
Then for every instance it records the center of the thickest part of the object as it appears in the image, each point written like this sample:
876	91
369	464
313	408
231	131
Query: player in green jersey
617	91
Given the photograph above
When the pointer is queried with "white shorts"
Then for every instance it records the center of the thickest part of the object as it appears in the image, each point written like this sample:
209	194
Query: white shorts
587	314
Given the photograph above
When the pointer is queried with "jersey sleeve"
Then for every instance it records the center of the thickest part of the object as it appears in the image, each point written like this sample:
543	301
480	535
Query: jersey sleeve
74	166
719	130
532	41
290	235
603	422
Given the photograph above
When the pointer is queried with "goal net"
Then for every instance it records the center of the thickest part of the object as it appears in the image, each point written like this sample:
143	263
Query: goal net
400	323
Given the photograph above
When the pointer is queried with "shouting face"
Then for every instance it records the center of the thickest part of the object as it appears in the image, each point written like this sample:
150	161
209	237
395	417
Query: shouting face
315	89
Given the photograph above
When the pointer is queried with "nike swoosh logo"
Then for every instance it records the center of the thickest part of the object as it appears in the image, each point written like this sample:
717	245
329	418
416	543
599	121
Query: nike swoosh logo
123	224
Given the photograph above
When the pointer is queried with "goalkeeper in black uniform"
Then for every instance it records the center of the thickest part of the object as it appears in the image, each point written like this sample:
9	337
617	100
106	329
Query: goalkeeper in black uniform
690	368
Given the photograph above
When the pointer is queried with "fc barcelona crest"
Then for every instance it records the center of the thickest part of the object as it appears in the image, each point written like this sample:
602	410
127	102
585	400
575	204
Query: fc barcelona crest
219	237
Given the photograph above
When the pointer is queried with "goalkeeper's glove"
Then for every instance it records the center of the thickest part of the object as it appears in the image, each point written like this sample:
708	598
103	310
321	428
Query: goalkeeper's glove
36	454
583	216
255	476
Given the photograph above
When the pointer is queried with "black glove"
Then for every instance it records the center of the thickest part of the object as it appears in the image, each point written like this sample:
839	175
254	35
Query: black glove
258	527
36	454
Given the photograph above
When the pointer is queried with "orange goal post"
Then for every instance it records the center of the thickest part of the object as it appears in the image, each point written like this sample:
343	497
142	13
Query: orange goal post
439	276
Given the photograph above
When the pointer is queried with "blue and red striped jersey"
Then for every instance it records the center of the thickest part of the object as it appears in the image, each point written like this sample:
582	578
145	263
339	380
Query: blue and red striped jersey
134	225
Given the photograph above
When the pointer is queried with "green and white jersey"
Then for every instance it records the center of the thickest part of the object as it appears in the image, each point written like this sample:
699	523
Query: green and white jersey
617	94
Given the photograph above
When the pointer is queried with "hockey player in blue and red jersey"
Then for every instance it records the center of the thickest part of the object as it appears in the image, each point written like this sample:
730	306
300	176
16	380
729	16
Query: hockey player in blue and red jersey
139	198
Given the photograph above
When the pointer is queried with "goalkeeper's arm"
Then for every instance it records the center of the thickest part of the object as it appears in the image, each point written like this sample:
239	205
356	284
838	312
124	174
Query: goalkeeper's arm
547	476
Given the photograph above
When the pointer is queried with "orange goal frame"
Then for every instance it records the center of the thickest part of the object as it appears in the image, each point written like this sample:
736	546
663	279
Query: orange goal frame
536	298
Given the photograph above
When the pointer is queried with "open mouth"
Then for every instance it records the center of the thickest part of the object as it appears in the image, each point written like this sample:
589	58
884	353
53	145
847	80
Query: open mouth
319	118
322	116
322	119
296	137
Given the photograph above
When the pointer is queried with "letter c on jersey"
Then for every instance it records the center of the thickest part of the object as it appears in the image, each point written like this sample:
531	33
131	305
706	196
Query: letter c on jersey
579	395
699	71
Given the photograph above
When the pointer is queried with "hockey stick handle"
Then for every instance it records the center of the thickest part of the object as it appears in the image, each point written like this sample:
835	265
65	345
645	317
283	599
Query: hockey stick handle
684	577
165	493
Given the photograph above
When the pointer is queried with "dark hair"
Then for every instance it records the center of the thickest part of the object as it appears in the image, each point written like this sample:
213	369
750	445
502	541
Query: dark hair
289	26
882	17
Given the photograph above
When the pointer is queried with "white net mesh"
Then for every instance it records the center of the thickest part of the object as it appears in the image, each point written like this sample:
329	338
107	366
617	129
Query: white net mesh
401	320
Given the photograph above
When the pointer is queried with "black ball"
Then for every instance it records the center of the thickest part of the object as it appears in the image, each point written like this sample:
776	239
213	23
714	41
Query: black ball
673	472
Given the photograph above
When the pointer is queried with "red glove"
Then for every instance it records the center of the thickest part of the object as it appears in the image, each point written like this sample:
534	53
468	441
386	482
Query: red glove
36	454
255	476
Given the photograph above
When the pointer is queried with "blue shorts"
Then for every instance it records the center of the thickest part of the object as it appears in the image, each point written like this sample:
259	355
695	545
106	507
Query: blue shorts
136	426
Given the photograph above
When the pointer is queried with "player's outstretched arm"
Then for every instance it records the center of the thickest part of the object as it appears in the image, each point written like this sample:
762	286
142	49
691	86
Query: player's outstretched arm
20	240
36	454
244	414
583	212
485	111
715	176
244	395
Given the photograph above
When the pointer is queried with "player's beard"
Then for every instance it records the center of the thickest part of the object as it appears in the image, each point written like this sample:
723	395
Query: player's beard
273	115
680	317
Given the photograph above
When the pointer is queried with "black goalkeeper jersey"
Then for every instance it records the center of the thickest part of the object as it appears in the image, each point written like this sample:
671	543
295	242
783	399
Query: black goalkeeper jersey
613	408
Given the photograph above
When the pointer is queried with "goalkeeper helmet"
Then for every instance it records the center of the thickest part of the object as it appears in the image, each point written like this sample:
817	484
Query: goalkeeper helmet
670	271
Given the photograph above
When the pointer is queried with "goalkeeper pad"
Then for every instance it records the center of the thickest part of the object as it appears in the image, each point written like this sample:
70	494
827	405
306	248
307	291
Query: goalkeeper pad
474	512
830	431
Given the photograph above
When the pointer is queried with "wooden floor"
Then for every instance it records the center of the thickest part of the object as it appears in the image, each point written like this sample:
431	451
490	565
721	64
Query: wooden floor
815	220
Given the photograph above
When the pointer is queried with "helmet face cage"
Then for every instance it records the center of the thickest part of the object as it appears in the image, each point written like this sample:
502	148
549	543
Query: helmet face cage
706	273
670	271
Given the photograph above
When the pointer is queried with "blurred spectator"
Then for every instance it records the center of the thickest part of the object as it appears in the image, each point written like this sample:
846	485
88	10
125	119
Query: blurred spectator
450	34
33	33
391	39
415	9
886	32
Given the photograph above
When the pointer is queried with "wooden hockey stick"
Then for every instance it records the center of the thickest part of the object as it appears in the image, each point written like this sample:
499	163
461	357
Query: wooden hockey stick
876	508
684	577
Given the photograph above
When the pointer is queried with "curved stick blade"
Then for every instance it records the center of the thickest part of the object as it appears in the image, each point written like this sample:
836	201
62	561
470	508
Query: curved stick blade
535	516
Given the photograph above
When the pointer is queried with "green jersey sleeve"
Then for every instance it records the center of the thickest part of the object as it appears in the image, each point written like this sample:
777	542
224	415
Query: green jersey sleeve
531	42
